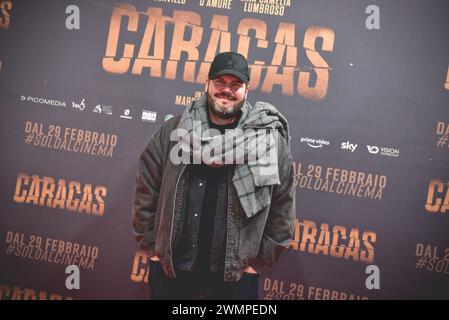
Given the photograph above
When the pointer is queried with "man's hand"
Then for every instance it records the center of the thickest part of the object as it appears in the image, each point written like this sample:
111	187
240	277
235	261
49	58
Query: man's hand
153	258
250	270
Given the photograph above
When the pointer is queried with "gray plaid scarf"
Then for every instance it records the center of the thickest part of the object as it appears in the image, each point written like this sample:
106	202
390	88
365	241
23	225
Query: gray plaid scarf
251	178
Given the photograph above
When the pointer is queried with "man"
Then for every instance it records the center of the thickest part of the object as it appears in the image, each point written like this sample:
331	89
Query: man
210	226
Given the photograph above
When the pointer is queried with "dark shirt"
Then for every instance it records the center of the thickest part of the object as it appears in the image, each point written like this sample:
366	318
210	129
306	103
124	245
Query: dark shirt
203	238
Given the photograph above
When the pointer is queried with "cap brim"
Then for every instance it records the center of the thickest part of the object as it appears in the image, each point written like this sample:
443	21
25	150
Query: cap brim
233	72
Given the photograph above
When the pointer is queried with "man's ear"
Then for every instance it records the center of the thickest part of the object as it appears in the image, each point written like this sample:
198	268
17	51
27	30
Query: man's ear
206	85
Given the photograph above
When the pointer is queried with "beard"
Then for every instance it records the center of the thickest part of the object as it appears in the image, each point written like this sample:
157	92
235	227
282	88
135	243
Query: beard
221	110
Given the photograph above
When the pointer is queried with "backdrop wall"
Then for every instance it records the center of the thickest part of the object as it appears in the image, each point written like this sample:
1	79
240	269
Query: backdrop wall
364	85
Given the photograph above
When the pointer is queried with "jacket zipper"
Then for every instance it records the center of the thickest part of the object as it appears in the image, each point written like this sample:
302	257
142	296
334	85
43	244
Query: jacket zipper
227	219
172	220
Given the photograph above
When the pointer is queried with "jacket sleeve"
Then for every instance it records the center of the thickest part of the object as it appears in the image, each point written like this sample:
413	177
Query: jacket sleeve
279	229
146	193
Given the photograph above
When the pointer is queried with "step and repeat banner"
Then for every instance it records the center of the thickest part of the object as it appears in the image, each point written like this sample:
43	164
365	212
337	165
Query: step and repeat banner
364	85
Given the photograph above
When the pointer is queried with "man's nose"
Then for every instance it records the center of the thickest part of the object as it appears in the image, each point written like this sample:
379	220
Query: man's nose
226	88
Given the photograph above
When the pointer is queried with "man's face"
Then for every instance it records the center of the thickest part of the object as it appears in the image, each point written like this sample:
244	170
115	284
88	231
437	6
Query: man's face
226	95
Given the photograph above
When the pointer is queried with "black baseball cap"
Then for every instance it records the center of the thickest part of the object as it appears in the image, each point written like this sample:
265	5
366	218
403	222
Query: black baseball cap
229	63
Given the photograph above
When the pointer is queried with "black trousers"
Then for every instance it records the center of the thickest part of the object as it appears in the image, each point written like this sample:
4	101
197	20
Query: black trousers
200	286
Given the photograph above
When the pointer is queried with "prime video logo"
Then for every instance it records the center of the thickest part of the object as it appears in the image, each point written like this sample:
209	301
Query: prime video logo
315	143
